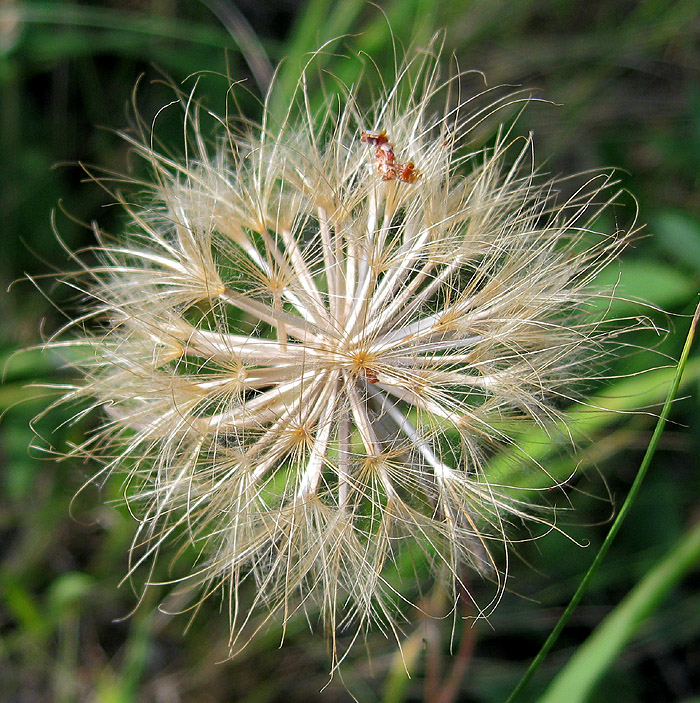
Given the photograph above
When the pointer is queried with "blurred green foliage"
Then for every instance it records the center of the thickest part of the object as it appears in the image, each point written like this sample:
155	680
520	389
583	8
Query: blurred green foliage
622	81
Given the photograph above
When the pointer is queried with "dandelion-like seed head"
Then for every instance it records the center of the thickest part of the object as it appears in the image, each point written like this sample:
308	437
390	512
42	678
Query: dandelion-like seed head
313	335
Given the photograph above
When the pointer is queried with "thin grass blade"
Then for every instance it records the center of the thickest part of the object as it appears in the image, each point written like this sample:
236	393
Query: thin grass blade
631	496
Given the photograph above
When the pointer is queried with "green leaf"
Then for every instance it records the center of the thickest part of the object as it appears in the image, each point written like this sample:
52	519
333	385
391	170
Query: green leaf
67	591
678	234
586	668
93	17
651	281
21	605
624	510
404	663
308	35
600	412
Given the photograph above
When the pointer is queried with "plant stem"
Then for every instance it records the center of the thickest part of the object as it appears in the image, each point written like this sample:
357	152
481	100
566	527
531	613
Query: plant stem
631	496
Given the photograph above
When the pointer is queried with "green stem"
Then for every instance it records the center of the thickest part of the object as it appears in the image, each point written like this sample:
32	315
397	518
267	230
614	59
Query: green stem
593	658
631	496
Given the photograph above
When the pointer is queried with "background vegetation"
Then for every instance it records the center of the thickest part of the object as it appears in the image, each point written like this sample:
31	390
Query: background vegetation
624	80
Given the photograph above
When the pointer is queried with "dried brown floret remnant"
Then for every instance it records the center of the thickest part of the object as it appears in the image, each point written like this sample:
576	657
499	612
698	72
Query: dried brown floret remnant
387	166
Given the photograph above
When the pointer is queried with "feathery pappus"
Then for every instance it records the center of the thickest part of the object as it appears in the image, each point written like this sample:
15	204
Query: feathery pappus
313	335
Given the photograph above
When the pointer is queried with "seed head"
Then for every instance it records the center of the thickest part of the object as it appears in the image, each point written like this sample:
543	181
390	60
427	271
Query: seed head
313	335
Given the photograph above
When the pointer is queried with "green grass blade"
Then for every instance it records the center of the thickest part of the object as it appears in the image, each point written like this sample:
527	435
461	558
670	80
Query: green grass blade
403	666
575	681
600	414
408	21
624	510
320	22
127	22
